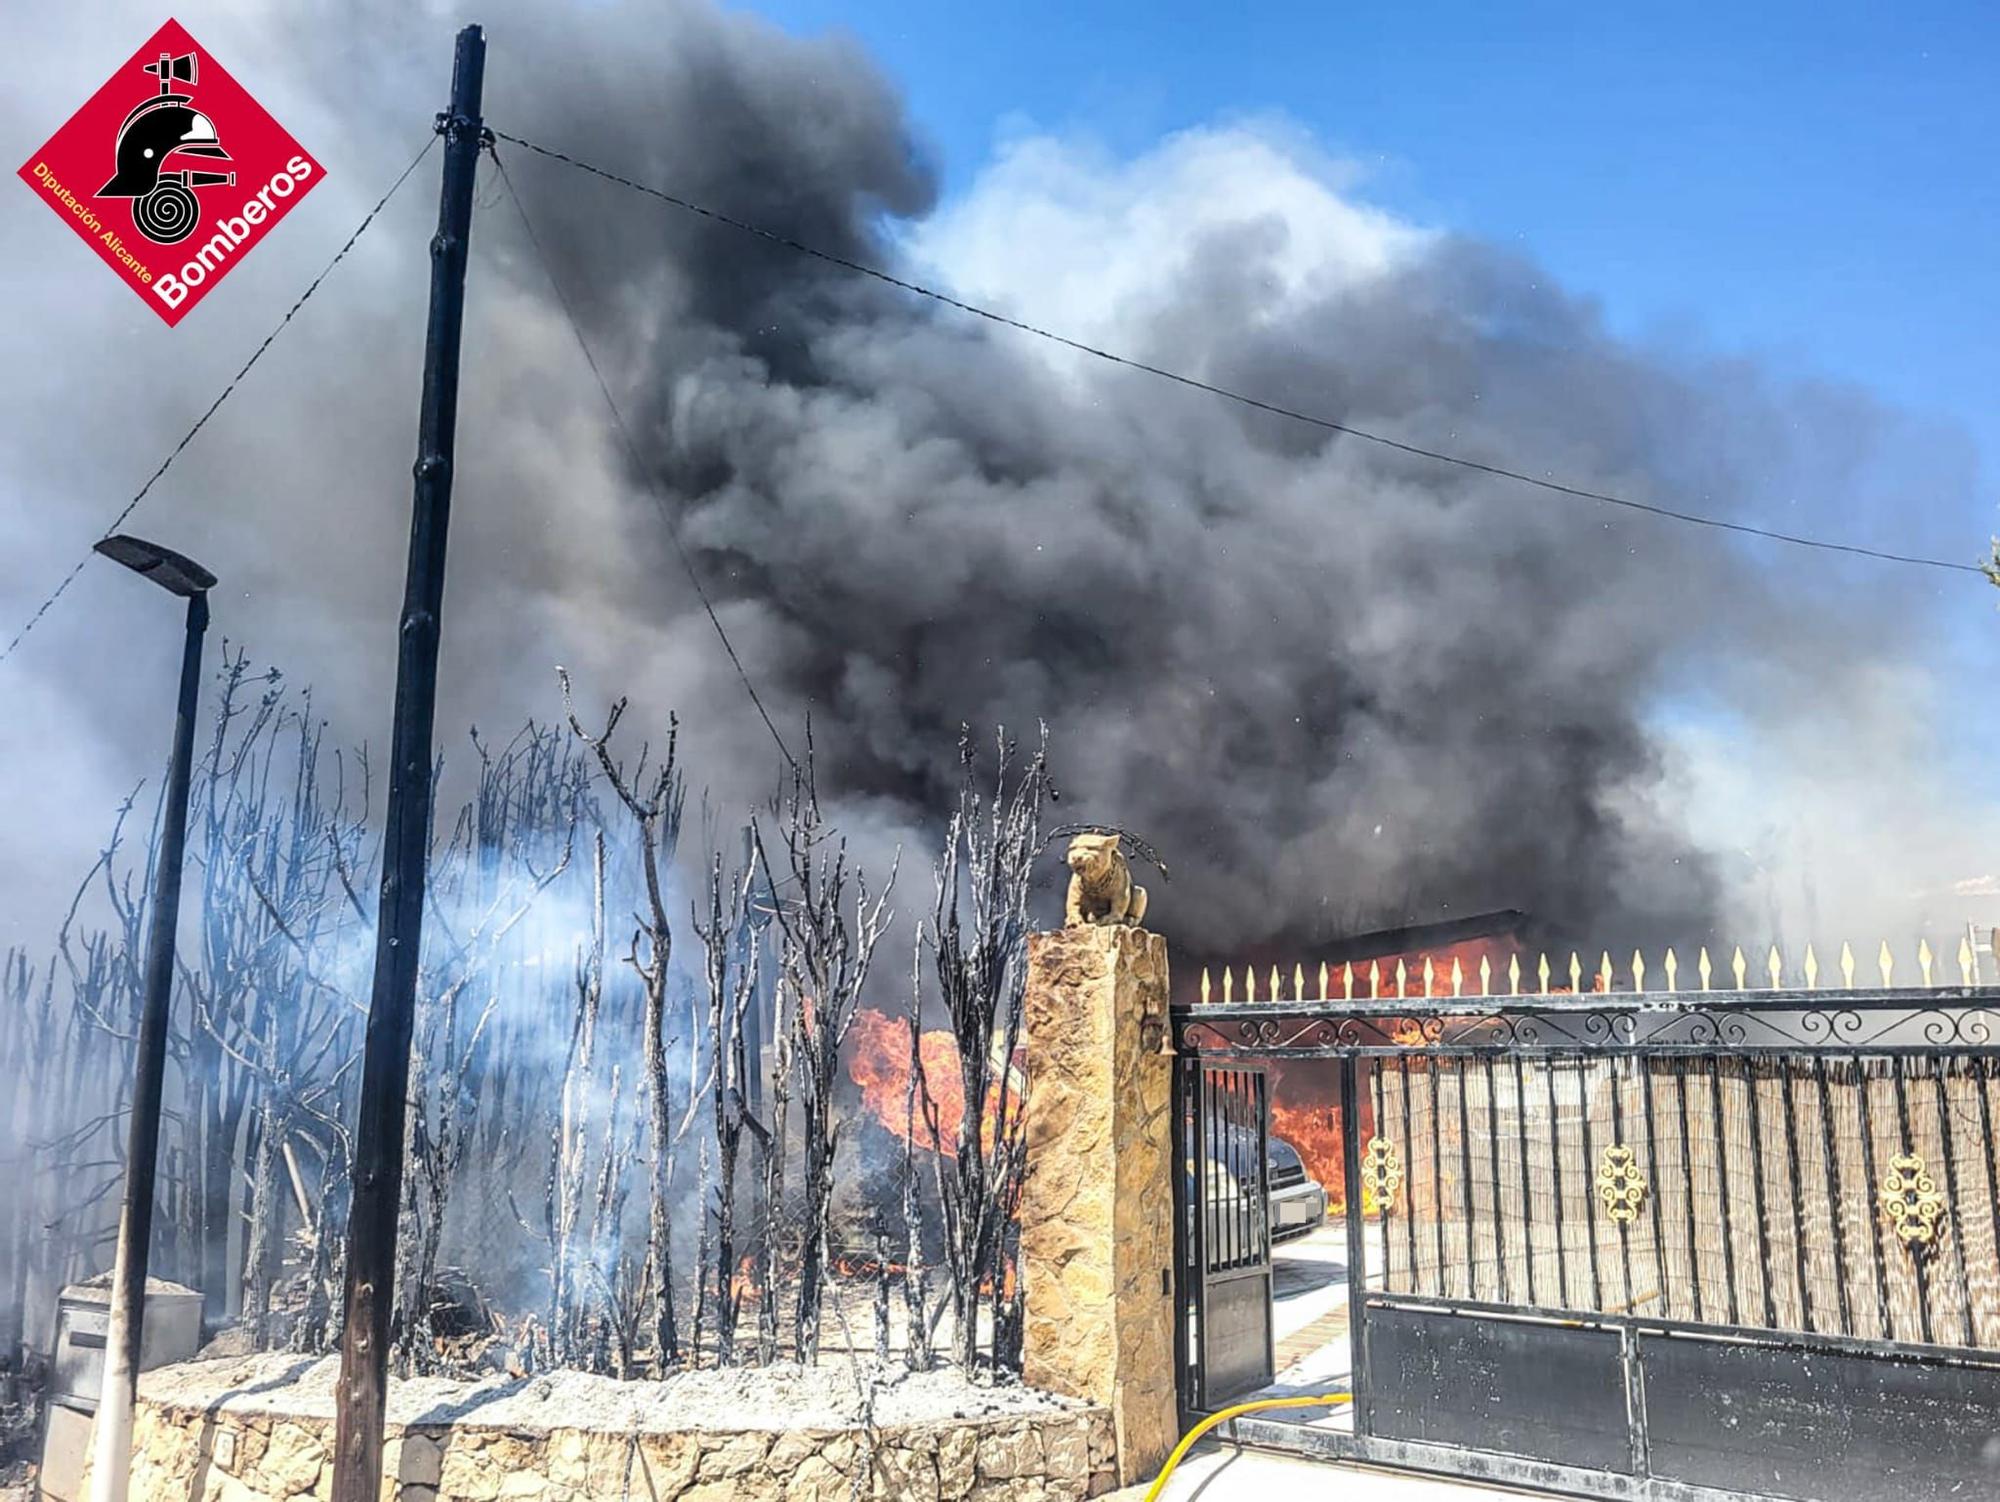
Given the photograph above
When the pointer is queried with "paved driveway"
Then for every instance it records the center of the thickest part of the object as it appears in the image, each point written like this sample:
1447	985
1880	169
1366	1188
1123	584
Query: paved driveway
1222	1473
1309	1329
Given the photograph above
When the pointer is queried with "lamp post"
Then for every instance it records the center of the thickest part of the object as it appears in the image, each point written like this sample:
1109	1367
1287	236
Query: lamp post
111	1455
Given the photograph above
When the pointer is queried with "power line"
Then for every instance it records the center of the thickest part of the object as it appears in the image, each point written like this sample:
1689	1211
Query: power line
214	406
639	464
1275	409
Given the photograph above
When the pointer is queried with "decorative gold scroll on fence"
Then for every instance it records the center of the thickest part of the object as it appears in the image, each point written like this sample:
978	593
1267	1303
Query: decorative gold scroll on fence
1621	1184
1381	1172
1460	973
1910	1201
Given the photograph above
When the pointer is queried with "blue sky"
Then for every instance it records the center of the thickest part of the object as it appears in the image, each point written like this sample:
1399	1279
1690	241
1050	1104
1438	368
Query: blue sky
1812	184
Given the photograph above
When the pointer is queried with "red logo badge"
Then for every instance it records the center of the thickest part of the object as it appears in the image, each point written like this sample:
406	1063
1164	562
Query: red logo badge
171	172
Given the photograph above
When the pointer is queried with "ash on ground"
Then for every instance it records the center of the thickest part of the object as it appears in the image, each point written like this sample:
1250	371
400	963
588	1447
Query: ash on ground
785	1396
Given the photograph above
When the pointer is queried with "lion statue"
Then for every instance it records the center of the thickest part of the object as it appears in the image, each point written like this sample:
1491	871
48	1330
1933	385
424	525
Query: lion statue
1100	883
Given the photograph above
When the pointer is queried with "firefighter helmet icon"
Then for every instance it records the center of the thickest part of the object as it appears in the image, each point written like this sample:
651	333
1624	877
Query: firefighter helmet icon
166	126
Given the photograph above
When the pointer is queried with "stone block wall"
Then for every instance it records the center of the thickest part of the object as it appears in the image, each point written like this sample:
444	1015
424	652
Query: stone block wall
216	1455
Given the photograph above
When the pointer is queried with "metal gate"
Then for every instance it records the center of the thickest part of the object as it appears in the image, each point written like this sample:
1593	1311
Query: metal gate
1223	1231
1668	1246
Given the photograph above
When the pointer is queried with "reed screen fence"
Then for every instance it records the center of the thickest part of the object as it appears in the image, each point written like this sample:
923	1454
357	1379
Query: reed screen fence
1837	1196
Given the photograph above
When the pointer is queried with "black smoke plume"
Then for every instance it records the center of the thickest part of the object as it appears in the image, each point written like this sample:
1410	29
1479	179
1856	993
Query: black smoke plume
1337	687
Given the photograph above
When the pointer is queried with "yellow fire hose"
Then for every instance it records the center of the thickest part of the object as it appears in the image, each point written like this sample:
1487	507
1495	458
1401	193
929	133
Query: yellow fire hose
1322	1400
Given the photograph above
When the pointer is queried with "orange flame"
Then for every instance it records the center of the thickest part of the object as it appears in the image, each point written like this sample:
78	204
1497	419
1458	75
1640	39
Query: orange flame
1007	1282
848	1265
880	1064
1313	1129
1466	955
1305	1112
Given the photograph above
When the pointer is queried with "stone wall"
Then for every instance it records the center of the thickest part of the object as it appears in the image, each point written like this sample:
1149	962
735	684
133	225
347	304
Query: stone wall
215	1454
1097	1203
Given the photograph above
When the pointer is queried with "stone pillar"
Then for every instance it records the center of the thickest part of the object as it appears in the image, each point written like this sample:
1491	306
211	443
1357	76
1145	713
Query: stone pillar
1097	1230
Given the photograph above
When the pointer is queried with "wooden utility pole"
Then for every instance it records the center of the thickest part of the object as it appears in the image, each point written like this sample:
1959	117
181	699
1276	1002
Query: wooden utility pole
385	1070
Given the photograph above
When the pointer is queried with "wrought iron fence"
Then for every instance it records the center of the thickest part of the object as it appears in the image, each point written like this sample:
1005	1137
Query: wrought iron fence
1654	1245
1495	968
1831	1195
1812	1162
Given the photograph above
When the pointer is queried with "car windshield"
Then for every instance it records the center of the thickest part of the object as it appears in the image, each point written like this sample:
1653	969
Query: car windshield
1234	1144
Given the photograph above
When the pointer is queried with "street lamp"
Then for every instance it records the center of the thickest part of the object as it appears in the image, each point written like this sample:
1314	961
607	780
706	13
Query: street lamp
111	1459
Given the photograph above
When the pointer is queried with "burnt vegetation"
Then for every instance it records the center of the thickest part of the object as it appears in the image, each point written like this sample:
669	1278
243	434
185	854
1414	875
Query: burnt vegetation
631	1143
